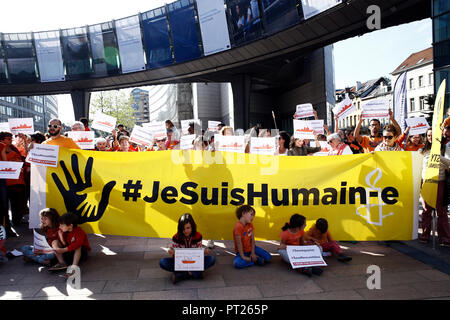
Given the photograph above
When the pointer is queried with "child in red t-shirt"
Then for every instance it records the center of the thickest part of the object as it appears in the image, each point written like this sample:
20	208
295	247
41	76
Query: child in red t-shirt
293	234
73	243
247	253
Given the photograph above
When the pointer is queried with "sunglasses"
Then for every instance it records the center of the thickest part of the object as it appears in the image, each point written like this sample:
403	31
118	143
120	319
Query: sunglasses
447	127
388	137
54	126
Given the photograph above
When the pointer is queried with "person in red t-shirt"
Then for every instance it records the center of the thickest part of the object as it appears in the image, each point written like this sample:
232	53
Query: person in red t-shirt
73	245
247	253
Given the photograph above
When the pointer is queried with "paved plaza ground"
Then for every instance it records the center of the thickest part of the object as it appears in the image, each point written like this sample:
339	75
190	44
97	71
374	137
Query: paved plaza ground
127	268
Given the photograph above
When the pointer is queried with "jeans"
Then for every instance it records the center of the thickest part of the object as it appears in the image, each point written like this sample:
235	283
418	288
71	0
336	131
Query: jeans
168	264
39	258
263	256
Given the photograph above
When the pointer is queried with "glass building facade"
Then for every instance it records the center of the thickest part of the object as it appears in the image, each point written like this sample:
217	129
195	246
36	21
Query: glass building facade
441	44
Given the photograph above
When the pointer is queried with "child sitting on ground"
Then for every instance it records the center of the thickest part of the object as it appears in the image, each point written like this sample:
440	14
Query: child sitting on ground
321	236
49	226
293	234
73	245
247	253
186	237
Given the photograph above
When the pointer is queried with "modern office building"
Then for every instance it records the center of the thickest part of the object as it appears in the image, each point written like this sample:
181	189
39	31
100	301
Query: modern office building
140	106
40	108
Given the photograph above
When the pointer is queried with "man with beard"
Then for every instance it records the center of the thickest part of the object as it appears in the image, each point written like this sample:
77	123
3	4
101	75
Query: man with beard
54	130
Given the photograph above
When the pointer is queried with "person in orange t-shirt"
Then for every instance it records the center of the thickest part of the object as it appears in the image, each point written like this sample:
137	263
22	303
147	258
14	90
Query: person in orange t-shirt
247	253
321	236
56	139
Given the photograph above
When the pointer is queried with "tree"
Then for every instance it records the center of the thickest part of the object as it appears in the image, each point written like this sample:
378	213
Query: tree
116	104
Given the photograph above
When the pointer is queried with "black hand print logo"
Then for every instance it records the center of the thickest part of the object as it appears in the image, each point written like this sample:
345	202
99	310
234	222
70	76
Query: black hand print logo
74	198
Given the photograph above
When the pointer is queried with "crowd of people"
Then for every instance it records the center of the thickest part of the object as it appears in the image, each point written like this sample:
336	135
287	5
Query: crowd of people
15	193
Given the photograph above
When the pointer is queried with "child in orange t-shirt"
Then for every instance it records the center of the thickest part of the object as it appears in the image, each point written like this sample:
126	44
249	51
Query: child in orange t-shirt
247	253
320	235
293	234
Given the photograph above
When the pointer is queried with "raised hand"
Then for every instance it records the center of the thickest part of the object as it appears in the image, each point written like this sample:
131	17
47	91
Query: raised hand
74	198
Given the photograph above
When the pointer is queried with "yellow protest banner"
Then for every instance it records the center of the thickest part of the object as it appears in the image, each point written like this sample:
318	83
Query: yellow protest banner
363	197
430	183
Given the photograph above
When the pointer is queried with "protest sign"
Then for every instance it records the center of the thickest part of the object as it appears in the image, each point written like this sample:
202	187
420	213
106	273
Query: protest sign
189	259
197	126
417	125
21	125
10	169
44	155
344	109
317	126
263	146
186	142
84	139
230	143
213	125
103	122
157	129
141	136
304	111
325	148
375	109
303	129
305	256
40	244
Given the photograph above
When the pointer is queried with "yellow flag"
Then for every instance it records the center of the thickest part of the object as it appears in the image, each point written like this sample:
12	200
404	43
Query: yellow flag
430	184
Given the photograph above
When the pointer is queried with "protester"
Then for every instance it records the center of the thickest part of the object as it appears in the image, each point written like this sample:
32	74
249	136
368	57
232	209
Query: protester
4	203
186	237
55	137
176	134
3	236
413	143
299	147
49	226
352	142
321	236
124	144
101	145
283	143
85	123
293	234
389	140
78	126
338	147
171	143
247	253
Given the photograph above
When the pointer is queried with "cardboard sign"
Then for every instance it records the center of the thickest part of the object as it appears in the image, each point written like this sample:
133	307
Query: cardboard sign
305	256
189	259
230	143
213	126
266	146
375	109
417	125
40	244
141	136
103	122
157	129
10	169
304	111
44	155
186	142
84	139
344	109
303	129
21	125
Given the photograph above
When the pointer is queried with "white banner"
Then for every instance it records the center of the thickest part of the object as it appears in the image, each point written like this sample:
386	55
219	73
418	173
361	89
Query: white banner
4	126
213	26
49	56
158	129
213	125
21	125
40	244
192	259
303	129
305	256
344	108
400	112
103	122
10	169
84	139
129	40
325	148
417	125
317	126
315	7
375	109
44	155
266	146
230	143
304	111
141	136
186	142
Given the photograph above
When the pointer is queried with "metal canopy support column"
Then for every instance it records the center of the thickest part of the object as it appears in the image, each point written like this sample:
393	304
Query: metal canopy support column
241	86
80	101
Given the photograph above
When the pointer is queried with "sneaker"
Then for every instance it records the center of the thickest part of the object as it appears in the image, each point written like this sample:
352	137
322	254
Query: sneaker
344	258
58	266
306	271
317	271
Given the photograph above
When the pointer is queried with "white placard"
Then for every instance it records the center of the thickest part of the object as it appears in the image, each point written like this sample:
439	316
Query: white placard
84	139
129	40
49	56
189	259
417	125
103	122
141	136
44	155
21	125
10	169
40	244
303	129
304	111
325	148
317	126
266	146
375	109
230	143
314	7
197	126
213	26
186	142
4	126
213	125
158	129
344	109
305	256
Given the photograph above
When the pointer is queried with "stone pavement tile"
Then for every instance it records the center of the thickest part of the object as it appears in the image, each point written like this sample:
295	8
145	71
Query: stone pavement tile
230	293
106	250
224	259
278	298
101	296
341	283
152	273
348	270
400	278
18	291
63	289
41	277
433	289
134	285
155	254
110	273
279	288
126	241
189	294
11	279
210	280
434	275
333	295
401	292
